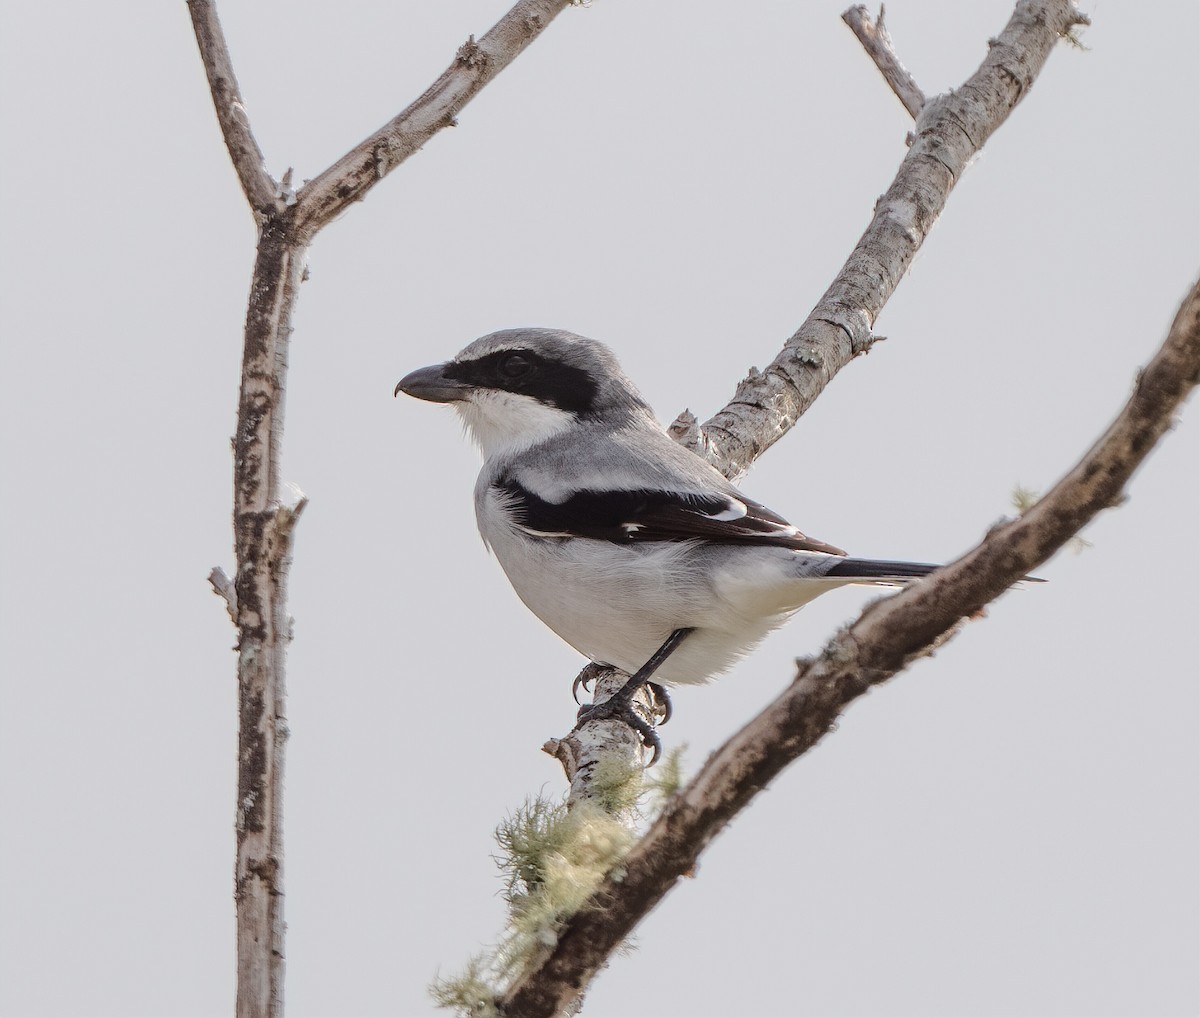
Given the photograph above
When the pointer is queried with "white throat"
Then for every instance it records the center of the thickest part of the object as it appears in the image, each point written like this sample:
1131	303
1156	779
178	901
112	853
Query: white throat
503	423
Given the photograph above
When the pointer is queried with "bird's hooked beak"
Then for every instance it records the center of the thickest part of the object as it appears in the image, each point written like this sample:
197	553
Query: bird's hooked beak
432	384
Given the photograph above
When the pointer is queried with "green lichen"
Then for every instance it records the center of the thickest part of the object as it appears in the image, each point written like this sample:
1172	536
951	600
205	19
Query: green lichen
470	993
552	859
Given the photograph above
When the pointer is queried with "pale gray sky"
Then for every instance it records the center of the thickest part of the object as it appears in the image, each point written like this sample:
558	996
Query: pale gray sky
1010	829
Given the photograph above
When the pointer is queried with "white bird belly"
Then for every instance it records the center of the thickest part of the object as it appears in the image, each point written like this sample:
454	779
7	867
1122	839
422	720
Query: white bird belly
616	604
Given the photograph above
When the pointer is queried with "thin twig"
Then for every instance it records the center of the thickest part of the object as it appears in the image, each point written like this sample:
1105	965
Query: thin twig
223	587
878	44
261	191
888	636
475	64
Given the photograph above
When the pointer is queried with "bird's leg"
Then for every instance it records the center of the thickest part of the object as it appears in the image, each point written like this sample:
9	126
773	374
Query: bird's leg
619	706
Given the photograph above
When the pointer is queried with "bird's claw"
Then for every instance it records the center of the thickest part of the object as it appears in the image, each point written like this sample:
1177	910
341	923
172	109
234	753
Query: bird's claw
587	675
582	681
661	701
618	708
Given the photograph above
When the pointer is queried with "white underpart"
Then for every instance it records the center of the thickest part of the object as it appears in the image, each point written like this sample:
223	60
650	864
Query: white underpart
616	603
503	423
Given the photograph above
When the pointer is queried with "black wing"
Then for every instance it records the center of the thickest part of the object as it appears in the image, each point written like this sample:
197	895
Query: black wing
626	517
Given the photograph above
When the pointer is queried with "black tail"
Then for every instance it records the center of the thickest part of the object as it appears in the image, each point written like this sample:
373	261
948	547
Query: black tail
874	569
890	572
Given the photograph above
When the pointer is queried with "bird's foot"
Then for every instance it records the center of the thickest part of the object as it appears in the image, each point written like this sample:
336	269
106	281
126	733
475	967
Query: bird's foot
619	707
660	698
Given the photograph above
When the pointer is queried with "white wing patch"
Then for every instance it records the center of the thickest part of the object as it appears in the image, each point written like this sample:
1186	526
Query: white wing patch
735	511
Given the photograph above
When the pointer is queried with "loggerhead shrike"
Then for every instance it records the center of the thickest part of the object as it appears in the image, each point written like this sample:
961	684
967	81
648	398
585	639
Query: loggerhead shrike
634	550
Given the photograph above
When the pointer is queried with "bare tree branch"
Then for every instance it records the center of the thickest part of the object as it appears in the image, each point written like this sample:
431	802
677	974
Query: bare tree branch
949	133
878	44
889	635
476	63
263	521
261	191
263	541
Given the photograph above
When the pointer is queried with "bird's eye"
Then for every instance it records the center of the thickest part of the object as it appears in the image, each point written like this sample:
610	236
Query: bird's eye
516	365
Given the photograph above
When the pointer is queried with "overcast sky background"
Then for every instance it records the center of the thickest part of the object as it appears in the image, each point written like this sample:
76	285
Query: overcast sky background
1009	829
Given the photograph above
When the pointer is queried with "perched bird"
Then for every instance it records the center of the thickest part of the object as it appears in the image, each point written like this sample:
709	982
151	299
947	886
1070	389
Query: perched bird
634	550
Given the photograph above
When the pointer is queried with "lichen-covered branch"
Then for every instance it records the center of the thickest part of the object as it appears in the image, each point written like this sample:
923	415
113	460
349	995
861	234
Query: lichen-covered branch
949	132
602	747
887	636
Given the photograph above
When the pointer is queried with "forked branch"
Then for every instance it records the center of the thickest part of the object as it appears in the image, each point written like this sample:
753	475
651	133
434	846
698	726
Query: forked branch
476	63
260	189
263	521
